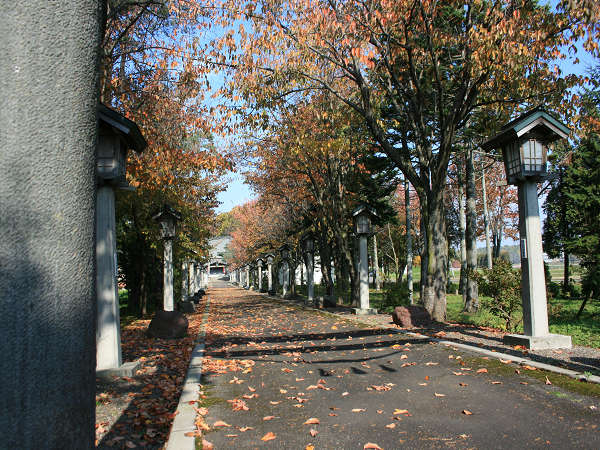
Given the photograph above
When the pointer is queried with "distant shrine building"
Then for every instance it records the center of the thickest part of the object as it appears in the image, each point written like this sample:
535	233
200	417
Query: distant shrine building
219	249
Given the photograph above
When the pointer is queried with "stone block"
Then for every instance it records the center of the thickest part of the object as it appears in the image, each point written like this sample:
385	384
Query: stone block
127	369
364	311
410	316
168	325
549	341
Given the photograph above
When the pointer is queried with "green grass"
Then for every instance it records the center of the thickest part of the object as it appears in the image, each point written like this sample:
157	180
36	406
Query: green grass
561	318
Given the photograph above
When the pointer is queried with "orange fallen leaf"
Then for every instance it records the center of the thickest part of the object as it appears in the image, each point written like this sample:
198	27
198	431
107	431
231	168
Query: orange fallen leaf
403	356
482	370
466	412
372	446
220	423
462	384
207	445
309	447
391	425
268	437
529	368
193	433
401	411
313	432
358	410
439	395
244	429
268	417
312	421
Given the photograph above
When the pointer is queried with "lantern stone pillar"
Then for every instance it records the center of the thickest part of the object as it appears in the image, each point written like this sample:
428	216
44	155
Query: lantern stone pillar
167	219
259	263
184	282
192	278
270	258
168	275
362	227
117	134
247	284
524	143
308	246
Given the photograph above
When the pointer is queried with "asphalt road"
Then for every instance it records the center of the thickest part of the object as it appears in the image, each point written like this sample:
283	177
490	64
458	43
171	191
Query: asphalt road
310	379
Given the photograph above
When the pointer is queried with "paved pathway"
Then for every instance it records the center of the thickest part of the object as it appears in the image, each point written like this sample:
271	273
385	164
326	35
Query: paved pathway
272	367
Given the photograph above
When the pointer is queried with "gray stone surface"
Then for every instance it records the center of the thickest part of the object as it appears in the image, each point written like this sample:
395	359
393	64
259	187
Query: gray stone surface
127	369
549	341
364	311
48	98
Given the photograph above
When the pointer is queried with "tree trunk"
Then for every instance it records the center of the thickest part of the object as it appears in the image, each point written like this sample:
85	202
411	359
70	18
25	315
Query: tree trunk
462	220
435	254
376	263
393	252
486	221
565	235
409	251
470	294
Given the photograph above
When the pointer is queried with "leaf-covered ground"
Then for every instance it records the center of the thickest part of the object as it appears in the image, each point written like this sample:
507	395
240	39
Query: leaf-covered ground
138	411
281	377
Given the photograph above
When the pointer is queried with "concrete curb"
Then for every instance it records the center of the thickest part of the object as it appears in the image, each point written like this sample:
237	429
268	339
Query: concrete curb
466	347
185	419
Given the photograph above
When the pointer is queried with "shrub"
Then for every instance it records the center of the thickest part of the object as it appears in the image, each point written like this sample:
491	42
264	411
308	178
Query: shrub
396	294
501	291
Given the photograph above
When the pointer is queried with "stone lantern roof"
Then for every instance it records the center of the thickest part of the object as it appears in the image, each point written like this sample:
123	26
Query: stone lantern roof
128	129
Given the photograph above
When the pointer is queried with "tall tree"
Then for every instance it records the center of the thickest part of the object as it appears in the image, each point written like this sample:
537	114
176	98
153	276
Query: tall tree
414	71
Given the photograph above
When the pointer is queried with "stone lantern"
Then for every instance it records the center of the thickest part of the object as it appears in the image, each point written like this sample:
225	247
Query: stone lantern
308	250
260	264
116	135
247	276
362	227
270	259
284	253
524	143
167	218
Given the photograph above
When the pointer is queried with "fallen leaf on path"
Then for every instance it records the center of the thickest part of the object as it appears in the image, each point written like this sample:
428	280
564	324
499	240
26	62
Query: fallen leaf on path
358	410
344	394
529	367
193	433
312	421
268	437
505	361
462	384
371	445
457	373
231	435
251	389
466	412
403	356
548	381
268	417
220	423
244	429
274	403
309	447
439	395
207	445
482	370
401	411
313	432
391	425
431	363
496	382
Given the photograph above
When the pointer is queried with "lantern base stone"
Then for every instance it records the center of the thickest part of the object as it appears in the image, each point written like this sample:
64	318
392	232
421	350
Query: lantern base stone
549	341
127	369
364	311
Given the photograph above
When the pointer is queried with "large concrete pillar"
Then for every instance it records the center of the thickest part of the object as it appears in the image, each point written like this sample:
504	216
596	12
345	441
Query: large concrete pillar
286	279
260	278
48	135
